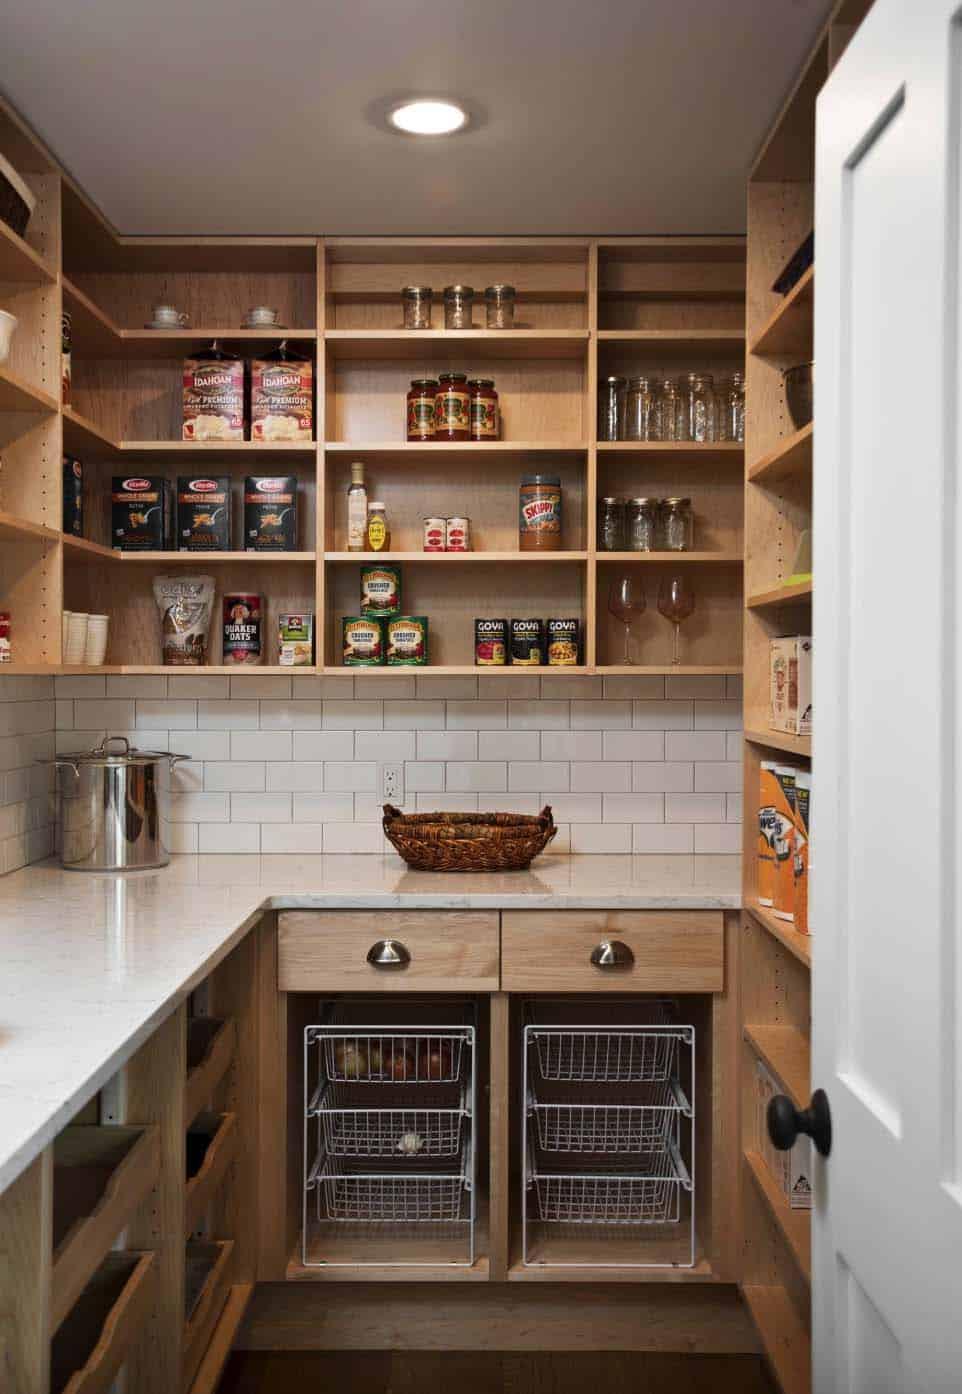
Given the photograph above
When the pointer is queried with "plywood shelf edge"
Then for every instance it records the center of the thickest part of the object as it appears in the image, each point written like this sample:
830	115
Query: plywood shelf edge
784	1336
787	1053
795	1226
798	944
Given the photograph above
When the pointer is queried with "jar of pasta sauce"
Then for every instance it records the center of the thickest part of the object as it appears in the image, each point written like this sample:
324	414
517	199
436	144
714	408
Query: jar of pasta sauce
452	407
485	412
422	400
539	513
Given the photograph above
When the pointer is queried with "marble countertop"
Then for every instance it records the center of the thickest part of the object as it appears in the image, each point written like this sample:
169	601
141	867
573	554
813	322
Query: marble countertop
92	964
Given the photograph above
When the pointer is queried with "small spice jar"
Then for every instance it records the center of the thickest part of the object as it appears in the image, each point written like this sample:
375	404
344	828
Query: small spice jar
458	306
611	409
378	532
667	408
452	407
697	414
676	525
611	524
421	405
641	525
499	306
639	409
485	413
539	513
417	306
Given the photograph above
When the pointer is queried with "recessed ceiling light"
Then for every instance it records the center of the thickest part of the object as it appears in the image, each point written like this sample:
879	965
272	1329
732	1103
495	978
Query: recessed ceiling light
428	118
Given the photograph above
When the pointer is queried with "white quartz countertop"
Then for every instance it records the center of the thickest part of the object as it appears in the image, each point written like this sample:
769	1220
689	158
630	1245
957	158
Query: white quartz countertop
91	964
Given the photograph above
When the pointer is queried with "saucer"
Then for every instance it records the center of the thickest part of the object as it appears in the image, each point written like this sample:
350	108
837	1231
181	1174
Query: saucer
260	324
154	325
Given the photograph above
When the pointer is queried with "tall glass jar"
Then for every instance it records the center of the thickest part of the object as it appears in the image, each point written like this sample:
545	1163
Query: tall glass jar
458	306
611	408
499	306
667	410
641	525
611	525
417	307
640	409
698	413
676	525
452	407
731	409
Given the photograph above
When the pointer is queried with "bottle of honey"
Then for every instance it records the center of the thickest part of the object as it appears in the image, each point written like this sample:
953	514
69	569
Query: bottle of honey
378	532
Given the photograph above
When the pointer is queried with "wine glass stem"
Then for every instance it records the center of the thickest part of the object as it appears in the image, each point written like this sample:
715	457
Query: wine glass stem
674	653
627	643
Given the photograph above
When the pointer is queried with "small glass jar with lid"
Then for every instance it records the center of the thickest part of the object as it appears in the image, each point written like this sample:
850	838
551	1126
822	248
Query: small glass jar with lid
611	408
676	525
731	409
698	409
611	524
452	407
667	412
458	306
499	306
417	302
641	525
639	409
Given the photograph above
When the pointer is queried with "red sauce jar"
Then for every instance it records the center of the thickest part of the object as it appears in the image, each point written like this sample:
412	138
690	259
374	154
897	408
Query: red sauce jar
452	407
420	410
485	413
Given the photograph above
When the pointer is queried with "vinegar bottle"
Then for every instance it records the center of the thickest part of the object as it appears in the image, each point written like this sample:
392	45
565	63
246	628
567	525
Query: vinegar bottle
357	510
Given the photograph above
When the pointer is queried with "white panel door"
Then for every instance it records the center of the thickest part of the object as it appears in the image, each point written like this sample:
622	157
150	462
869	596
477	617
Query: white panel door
887	803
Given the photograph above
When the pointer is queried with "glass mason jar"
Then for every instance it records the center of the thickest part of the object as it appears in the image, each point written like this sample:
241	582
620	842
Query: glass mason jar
499	306
458	306
640	409
641	525
417	306
698	408
611	525
676	525
611	409
731	409
667	410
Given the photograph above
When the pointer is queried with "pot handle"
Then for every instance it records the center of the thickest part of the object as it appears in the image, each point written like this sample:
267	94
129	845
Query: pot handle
59	760
102	748
176	759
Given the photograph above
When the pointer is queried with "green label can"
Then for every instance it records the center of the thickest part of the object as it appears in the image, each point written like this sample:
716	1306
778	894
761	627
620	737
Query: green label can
363	641
380	590
407	641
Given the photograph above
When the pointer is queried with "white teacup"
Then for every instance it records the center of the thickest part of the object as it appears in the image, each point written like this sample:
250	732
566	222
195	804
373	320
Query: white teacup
8	324
261	315
168	317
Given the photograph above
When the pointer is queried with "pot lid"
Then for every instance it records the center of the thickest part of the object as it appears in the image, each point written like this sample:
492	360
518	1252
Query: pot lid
103	754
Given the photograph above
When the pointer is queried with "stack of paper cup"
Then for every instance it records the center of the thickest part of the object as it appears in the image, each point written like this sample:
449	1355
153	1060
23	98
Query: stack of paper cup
75	643
95	650
66	617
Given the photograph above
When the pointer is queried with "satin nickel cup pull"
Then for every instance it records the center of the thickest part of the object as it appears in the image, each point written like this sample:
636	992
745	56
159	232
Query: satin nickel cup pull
612	954
388	953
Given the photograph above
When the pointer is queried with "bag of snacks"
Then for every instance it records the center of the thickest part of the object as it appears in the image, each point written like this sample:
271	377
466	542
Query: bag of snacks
185	604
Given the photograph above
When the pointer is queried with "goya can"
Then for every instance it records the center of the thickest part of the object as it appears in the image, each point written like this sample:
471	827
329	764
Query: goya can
564	643
407	641
363	641
527	642
380	591
490	643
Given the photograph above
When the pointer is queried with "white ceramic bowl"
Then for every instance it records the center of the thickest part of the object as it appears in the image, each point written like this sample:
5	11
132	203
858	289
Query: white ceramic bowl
8	324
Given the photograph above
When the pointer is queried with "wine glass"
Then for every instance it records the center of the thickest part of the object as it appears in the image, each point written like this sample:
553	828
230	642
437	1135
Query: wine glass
626	601
676	601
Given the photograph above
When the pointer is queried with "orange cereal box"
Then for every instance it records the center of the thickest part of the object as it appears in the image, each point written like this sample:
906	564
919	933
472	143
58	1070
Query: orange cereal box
767	824
803	803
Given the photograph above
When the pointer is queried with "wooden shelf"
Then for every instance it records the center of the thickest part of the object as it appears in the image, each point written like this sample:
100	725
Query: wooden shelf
211	1366
784	1336
686	451
16	394
798	944
787	1053
781	595
168	670
712	341
81	549
790	459
455	448
673	558
146	449
210	1053
788	332
92	1343
82	436
794	1225
14	529
204	1185
450	344
702	1272
212	558
781	740
20	263
681	670
455	557
215	1261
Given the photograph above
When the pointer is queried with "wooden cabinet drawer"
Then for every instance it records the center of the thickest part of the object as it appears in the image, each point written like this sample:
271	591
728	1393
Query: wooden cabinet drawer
663	950
327	950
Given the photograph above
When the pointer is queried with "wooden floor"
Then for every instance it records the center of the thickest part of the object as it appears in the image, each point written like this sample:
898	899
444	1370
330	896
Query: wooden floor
412	1372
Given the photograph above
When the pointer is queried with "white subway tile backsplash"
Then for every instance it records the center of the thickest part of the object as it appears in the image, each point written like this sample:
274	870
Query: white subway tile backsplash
413	715
395	686
92	716
295	775
321	745
423	776
181	838
260	808
186	775
718	837
509	745
600	776
449	803
695	808
345	777
292	837
662	777
733	686
229	837
718	716
94	686
209	686
662	838
575	808
571	687
266	745
588	838
538	776
284	714
207	745
447	745
311	685
705	685
528	715
511	803
200	808
354	837
519	685
570	745
384	745
634	745
353	716
634	808
477	716
166	714
447	689
268	685
733	745
649	687
325	808
600	716
711	778
139	685
733	808
695	745
476	776
235	714
662	716
232	775
63	713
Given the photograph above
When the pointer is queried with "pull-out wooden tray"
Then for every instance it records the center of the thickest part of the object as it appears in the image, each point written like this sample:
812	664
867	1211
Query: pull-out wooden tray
205	1183
210	1052
209	1270
94	1339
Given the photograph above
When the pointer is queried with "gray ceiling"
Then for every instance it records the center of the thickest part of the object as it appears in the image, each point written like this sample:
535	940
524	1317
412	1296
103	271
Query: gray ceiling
252	117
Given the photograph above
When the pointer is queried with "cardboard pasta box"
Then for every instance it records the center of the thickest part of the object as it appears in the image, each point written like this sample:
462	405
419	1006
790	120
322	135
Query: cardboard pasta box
790	674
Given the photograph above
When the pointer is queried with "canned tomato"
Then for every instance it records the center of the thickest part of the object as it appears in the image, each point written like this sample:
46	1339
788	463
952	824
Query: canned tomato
490	643
435	530
564	642
363	641
242	628
5	636
457	535
380	591
527	642
407	641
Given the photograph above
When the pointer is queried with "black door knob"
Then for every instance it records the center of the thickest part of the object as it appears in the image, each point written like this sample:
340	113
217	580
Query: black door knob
785	1122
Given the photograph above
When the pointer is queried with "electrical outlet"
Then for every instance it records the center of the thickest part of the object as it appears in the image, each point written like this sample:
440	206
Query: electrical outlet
391	782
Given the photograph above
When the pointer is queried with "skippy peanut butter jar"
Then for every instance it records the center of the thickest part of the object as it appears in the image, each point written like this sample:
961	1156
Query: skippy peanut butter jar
539	513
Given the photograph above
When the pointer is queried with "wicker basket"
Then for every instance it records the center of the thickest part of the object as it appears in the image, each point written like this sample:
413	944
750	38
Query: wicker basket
468	841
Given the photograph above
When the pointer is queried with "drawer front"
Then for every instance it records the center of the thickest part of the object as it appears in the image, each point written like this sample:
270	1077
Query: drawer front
447	950
648	950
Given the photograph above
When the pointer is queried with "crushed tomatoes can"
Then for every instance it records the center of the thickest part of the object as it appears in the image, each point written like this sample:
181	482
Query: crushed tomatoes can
407	641
363	641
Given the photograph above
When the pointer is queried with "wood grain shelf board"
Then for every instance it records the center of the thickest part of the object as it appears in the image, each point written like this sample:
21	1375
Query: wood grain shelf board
428	1272
83	437
788	332
170	670
131	449
790	459
16	394
219	1039
780	595
785	1338
82	549
93	333
787	1053
798	944
781	740
211	1367
702	1272
673	558
456	558
683	340
19	263
14	529
455	448
420	344
213	558
687	451
794	1225
684	670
